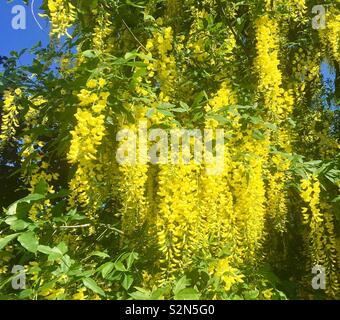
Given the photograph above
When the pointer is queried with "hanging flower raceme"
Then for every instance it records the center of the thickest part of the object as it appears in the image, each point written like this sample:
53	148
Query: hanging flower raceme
133	176
331	35
101	33
86	139
320	238
62	15
135	186
10	113
296	9
278	105
216	199
305	71
41	177
249	207
178	217
164	66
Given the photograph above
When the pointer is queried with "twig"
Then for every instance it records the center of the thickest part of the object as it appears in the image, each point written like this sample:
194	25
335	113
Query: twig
134	36
238	40
76	226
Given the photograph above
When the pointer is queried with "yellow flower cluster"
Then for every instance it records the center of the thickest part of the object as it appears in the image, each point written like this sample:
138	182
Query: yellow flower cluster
310	193
216	209
296	9
53	294
306	68
90	129
134	181
306	65
86	138
79	295
164	66
33	113
321	241
216	198
229	275
276	193
278	105
278	102
178	229
102	31
9	120
132	192
62	15
224	97
249	206
331	35
38	175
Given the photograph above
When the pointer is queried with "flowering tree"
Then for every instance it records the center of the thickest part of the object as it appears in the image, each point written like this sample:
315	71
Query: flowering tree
87	226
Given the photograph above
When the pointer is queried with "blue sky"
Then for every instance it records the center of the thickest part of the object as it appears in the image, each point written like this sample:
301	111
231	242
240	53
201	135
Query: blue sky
11	39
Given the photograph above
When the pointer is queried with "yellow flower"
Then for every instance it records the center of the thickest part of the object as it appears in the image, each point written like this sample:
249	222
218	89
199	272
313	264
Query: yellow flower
91	84
102	82
18	92
62	14
267	294
80	294
9	121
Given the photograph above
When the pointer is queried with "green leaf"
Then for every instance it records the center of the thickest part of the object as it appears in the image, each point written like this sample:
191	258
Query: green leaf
219	118
89	54
267	272
181	284
92	285
131	258
255	120
7	239
16	224
165	105
120	266
106	268
336	199
251	294
130	55
138	64
150	112
179	110
166	113
100	254
258	135
41	187
148	17
127	281
32	197
187	294
62	246
128	2
271	126
25	294
140	294
92	3
184	106
53	253
29	241
158	294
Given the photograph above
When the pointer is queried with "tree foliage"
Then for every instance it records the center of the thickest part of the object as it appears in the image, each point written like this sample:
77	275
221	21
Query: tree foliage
87	227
